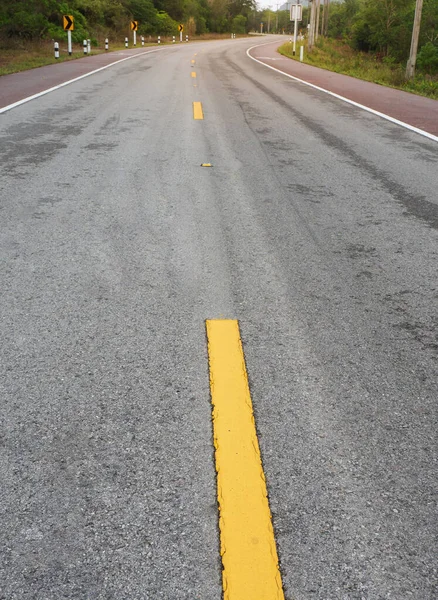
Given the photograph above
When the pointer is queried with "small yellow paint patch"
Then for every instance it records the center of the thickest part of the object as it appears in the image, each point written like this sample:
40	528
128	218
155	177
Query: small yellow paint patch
193	62
197	111
206	165
249	554
193	74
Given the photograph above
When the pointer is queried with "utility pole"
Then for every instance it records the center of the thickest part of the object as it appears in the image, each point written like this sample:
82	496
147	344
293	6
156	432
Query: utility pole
311	34
410	67
269	20
324	21
316	29
326	16
276	19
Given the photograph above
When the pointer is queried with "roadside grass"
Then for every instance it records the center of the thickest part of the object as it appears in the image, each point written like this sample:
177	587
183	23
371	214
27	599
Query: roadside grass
21	56
337	56
40	54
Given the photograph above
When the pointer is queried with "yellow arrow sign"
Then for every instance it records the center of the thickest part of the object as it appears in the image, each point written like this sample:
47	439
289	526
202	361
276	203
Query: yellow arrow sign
68	22
134	25
180	27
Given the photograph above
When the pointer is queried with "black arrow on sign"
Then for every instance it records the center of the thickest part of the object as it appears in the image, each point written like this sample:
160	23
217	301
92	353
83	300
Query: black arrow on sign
68	22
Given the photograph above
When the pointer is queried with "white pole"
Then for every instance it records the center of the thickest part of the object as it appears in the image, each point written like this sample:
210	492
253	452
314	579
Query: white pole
295	30
142	40
89	46
126	42
410	67
301	53
85	45
187	38
56	50
69	42
180	36
135	38
159	39
106	44
173	40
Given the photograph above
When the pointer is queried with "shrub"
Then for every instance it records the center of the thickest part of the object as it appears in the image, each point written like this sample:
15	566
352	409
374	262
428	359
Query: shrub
427	59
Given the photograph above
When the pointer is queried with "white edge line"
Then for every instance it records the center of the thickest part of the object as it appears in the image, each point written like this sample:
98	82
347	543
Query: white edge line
57	87
370	110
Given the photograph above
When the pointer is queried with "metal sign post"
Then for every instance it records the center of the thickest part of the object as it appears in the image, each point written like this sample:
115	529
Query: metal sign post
134	27
180	29
68	24
296	14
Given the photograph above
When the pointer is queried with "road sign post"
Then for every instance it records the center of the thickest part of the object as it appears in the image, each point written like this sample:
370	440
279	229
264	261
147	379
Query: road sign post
68	22
89	46
134	27
69	42
296	14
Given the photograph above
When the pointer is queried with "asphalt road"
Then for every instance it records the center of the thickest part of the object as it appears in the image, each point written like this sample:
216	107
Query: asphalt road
315	227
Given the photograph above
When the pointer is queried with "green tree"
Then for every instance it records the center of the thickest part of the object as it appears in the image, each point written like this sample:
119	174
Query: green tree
239	24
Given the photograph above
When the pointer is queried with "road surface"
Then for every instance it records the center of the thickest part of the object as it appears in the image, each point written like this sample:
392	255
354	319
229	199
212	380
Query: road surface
316	227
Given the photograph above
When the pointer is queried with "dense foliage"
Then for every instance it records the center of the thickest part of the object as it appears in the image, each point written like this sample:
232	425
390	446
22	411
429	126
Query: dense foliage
39	19
385	28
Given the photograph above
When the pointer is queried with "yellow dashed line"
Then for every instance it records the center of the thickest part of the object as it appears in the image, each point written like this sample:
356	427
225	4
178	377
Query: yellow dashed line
249	555
193	62
193	74
197	111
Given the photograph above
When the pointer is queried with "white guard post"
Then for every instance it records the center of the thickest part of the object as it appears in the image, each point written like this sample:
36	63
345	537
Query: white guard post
106	44
85	46
135	38
126	42
69	42
296	14
89	46
56	50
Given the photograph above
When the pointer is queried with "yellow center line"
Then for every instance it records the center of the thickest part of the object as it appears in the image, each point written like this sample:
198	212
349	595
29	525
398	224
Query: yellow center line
197	111
193	74
249	554
193	62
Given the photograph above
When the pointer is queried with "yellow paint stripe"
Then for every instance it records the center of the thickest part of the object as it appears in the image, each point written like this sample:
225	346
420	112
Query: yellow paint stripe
197	110
249	554
193	62
193	74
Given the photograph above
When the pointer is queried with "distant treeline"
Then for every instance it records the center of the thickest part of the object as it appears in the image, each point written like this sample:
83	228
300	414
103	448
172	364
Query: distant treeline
384	27
42	19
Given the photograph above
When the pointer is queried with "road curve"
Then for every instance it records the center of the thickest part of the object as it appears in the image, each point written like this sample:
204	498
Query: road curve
316	227
415	110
